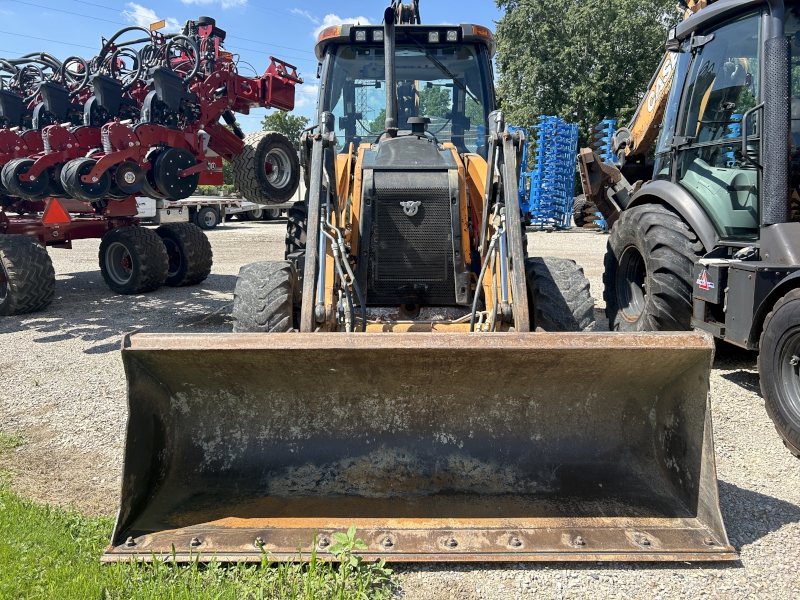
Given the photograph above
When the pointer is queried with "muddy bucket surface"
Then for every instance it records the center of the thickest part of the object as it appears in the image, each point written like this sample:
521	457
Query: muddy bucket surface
451	446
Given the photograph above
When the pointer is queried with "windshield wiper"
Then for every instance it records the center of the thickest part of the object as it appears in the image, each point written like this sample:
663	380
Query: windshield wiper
445	70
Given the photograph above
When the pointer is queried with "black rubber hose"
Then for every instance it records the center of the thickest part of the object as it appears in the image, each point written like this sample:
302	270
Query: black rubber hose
195	49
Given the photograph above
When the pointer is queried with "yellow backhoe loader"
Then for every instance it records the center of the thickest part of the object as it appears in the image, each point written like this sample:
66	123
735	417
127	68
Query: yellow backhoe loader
408	369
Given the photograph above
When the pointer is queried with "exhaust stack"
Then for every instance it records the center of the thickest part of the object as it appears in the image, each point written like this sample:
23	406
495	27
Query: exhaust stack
391	83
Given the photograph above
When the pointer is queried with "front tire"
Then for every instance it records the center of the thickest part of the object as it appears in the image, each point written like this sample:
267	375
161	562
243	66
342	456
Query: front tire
265	298
779	368
189	253
558	295
296	227
133	260
27	277
649	269
268	170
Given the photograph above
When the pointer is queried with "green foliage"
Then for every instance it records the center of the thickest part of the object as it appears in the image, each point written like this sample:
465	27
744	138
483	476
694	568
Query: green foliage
434	101
583	61
289	125
48	552
378	124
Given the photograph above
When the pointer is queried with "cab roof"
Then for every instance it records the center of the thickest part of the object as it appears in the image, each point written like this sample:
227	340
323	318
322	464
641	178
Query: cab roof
352	33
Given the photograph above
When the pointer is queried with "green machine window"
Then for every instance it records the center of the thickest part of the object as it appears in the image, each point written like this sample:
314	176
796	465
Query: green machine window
721	87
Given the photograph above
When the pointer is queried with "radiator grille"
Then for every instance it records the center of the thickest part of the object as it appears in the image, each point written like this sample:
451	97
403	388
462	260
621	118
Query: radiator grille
411	257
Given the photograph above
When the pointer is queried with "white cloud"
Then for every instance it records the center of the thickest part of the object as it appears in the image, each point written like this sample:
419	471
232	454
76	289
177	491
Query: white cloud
143	17
306	14
223	3
306	95
331	20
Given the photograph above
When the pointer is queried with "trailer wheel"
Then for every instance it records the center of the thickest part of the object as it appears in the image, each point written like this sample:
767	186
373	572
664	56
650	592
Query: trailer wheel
779	368
558	295
271	214
296	226
649	268
133	260
253	215
27	277
189	253
268	170
87	192
207	218
265	298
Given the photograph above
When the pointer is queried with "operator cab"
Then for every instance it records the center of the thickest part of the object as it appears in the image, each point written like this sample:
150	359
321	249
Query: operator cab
444	74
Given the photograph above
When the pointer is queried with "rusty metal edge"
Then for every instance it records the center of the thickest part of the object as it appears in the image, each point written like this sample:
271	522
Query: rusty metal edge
729	554
446	341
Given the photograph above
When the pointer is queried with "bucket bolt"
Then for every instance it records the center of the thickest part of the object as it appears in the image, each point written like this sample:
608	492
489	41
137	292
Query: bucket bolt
709	541
259	543
323	543
643	540
387	543
195	542
130	542
579	541
451	543
515	542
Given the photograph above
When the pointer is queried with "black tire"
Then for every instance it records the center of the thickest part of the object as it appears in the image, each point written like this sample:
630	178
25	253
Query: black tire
133	260
649	269
257	214
166	173
778	364
87	192
558	295
249	169
265	298
189	253
577	211
27	277
270	214
29	190
296	227
206	218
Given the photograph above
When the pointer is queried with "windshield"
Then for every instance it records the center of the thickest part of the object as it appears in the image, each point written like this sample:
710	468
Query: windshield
448	84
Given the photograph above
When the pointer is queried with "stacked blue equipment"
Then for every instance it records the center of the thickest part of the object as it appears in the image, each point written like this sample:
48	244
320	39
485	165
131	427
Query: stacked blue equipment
545	193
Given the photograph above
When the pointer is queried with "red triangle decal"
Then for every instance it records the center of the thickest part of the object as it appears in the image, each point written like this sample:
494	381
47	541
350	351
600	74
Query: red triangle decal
55	213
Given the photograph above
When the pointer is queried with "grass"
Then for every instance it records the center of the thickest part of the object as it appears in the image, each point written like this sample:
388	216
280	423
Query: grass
49	552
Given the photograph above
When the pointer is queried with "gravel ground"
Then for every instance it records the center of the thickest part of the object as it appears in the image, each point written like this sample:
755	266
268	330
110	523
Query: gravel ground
61	383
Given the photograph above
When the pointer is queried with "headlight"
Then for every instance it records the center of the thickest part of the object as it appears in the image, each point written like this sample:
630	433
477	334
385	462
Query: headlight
433	37
361	35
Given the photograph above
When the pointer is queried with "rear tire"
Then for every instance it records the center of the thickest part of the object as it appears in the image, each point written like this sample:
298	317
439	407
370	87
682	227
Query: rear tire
257	214
258	182
778	368
577	211
133	260
265	296
558	295
649	269
87	192
27	277
296	227
189	253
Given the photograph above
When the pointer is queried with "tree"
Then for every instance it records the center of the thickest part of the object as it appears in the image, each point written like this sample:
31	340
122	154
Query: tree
584	61
289	125
434	101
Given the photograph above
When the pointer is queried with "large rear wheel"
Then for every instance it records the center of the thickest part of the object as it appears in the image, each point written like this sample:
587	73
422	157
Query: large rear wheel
265	298
649	265
296	227
779	368
558	295
27	277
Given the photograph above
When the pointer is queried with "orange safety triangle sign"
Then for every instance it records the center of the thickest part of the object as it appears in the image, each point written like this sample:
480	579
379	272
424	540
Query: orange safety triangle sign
55	213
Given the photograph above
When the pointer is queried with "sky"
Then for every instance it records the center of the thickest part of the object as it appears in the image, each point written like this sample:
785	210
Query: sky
257	29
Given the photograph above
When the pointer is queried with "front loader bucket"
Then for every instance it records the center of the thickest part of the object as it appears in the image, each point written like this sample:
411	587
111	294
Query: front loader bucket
437	446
